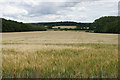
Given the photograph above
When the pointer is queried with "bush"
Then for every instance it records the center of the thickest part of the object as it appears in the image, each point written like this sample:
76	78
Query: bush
87	31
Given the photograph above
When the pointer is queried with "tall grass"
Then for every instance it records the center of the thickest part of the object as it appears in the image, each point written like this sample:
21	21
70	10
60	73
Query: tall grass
53	61
57	59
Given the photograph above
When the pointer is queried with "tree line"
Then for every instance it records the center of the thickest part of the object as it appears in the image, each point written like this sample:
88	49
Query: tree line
65	23
107	24
14	26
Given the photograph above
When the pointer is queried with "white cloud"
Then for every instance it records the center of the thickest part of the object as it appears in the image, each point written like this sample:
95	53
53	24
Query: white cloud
57	10
13	11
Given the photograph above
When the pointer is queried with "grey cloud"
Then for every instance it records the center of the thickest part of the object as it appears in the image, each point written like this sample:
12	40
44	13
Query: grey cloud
58	10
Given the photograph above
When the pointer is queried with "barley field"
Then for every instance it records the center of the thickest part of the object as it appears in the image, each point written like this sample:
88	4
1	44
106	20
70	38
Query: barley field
59	54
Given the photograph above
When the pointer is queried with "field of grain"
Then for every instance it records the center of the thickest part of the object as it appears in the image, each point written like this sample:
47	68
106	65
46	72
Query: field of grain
63	27
59	54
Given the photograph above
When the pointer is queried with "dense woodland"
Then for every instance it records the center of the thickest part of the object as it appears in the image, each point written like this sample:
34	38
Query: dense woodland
108	24
14	26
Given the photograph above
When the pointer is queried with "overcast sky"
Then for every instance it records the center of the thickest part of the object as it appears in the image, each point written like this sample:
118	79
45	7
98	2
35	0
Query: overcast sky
57	10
